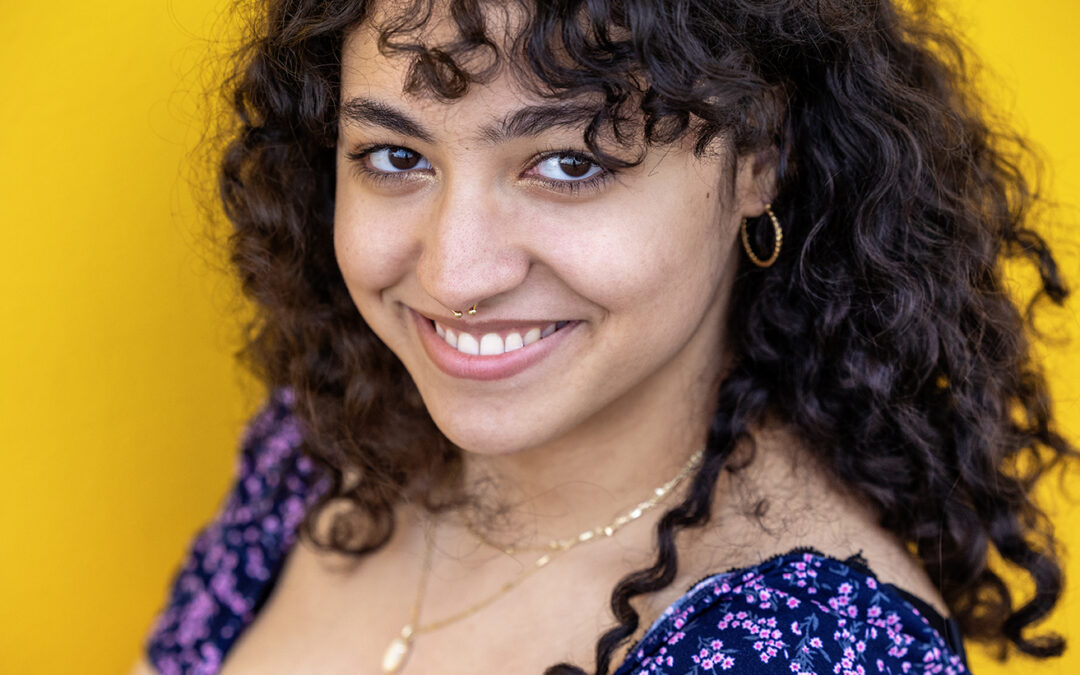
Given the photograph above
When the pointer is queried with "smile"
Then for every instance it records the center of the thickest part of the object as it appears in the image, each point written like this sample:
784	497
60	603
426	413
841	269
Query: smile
494	344
493	350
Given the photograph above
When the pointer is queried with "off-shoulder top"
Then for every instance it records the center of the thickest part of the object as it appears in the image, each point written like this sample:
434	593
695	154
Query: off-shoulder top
801	612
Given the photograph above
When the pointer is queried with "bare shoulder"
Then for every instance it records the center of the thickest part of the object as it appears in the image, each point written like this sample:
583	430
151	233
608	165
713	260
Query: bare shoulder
785	499
143	667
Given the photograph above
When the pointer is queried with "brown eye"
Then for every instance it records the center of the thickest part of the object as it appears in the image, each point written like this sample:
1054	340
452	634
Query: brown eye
567	167
396	160
403	158
574	167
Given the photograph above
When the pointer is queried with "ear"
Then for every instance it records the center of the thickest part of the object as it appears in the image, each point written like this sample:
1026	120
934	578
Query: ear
755	181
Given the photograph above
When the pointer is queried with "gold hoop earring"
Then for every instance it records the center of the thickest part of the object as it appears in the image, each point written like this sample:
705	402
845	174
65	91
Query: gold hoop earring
472	311
778	233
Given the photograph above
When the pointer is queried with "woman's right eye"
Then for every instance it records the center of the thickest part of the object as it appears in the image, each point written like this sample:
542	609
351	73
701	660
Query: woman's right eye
395	160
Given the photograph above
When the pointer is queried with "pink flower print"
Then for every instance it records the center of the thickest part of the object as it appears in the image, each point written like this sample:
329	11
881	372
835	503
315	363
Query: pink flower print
874	612
845	589
792	602
727	663
816	642
871	583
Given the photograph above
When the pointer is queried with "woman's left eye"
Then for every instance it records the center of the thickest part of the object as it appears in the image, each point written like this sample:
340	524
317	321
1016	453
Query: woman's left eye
568	167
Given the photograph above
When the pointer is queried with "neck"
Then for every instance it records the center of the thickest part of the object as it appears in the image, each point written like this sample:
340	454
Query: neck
586	479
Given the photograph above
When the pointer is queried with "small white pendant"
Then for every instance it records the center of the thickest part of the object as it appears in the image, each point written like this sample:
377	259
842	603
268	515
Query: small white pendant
394	656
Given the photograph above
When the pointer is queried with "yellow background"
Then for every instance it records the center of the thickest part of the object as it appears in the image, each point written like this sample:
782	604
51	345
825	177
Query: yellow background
119	402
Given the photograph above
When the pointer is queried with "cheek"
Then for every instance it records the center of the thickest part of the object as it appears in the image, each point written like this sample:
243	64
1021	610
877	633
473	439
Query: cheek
647	255
373	247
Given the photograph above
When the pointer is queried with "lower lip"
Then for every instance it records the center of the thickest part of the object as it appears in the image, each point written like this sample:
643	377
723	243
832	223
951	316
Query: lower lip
466	366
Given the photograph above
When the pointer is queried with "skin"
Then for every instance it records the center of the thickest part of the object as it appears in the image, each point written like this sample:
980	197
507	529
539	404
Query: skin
643	263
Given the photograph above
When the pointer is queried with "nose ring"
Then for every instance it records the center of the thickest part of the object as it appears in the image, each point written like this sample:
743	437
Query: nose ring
472	311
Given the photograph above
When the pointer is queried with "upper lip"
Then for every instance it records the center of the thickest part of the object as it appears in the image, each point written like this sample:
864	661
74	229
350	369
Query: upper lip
487	325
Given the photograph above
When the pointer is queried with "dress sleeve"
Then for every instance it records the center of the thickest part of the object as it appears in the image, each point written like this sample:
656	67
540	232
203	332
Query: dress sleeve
800	614
233	561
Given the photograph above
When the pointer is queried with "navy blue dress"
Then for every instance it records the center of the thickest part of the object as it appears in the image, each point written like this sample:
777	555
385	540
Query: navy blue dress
797	613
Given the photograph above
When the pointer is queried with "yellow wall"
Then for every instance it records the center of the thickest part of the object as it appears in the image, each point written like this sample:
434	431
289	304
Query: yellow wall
119	403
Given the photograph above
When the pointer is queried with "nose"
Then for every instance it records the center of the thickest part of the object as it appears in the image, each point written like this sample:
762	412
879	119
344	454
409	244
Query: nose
471	250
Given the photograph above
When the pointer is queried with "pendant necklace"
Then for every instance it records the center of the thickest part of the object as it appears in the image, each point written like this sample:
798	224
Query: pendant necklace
397	651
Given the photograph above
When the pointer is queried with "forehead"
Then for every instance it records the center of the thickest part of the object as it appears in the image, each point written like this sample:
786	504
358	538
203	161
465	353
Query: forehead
418	43
461	73
377	89
367	66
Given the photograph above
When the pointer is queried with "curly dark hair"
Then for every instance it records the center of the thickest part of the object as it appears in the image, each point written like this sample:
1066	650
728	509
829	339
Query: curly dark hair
884	335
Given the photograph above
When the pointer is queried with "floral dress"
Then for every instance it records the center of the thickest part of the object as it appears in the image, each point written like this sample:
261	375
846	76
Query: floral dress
801	612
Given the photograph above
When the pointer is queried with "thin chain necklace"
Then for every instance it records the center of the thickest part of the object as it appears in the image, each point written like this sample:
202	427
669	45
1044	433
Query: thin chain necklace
398	650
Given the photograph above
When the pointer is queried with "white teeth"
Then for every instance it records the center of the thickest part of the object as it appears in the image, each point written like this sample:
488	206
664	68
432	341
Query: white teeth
513	341
490	345
467	344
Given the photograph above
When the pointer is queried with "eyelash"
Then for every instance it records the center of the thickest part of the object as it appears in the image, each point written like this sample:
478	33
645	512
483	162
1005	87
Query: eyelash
358	157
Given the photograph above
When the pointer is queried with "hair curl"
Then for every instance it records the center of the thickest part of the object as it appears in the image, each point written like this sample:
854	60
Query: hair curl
884	335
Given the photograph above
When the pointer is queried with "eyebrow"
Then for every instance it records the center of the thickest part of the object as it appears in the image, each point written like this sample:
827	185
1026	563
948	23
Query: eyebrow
530	120
369	113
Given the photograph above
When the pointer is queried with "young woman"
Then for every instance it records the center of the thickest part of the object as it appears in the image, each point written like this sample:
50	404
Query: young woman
644	336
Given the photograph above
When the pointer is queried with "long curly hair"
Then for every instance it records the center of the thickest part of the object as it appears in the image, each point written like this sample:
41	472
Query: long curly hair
884	334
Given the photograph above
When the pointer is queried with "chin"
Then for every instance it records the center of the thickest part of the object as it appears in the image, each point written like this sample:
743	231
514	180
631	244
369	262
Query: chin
488	435
477	442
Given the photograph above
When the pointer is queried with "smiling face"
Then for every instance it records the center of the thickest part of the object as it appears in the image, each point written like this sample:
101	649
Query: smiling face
600	295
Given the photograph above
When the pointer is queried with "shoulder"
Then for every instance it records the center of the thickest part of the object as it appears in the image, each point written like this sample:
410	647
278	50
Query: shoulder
800	612
232	562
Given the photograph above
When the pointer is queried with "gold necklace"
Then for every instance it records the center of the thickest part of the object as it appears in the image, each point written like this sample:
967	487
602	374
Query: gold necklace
398	650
